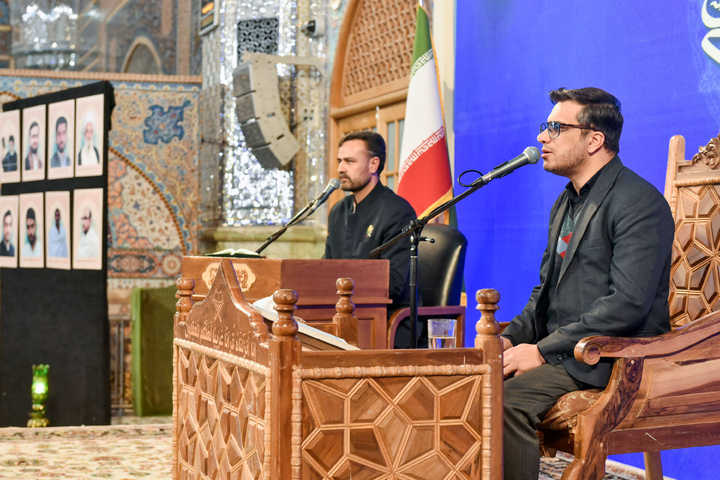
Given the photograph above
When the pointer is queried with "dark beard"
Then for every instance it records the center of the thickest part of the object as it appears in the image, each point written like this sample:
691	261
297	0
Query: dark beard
31	240
33	151
356	187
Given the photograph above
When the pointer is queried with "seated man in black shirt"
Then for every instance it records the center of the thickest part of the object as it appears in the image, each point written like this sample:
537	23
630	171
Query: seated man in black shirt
371	216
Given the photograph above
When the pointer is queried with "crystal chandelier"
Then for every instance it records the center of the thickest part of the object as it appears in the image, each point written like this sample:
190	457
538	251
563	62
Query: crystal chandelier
45	34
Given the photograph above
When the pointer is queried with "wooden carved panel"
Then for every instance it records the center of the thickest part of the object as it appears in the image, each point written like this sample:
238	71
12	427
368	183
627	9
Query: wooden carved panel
380	48
681	387
694	273
220	417
422	427
709	154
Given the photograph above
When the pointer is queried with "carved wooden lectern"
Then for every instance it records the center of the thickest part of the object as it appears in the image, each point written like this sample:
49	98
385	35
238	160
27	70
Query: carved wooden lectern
250	403
314	281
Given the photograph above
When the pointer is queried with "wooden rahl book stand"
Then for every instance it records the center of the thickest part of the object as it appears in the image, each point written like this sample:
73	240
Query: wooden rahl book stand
251	402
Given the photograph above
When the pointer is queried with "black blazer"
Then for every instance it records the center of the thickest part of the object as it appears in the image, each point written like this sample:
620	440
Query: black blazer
615	277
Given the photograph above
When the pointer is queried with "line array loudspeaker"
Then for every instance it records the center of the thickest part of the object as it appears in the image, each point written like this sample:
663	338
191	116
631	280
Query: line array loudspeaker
259	113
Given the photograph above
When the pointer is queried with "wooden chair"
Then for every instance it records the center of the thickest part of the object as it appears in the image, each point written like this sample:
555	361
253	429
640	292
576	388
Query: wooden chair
440	280
664	392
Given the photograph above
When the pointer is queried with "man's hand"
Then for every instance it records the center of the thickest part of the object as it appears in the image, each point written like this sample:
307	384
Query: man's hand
521	358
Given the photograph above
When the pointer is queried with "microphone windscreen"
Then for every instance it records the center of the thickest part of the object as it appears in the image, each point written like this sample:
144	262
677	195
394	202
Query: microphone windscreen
533	154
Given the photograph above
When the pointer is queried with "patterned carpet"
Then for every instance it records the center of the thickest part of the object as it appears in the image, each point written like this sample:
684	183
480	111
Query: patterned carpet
133	451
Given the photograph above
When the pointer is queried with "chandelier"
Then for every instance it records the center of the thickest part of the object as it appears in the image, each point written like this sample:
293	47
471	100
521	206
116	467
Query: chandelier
45	34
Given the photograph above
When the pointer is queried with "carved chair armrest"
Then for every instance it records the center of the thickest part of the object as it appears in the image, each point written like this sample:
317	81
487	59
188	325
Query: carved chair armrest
590	349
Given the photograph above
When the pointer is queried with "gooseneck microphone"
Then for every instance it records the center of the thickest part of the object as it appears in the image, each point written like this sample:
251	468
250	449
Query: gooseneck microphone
332	185
529	155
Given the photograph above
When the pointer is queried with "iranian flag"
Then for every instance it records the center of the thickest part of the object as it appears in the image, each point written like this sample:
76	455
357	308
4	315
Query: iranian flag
424	177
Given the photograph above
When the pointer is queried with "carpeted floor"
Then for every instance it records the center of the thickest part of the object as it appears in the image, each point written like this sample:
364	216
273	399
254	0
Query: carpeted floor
134	451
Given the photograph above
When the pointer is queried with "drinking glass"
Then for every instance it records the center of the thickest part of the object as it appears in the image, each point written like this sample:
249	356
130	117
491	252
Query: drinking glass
441	332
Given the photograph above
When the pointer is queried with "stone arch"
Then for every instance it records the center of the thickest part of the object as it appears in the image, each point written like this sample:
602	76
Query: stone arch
142	57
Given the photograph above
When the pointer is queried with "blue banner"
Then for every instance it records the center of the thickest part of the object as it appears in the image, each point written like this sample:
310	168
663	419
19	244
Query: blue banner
661	59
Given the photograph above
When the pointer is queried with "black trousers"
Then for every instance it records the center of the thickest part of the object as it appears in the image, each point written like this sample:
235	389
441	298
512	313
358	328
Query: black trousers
528	397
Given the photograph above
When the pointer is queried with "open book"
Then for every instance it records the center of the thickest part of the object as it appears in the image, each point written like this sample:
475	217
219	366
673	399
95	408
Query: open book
237	252
311	337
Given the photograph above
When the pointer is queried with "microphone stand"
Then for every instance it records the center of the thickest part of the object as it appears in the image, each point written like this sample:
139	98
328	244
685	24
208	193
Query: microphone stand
299	217
414	230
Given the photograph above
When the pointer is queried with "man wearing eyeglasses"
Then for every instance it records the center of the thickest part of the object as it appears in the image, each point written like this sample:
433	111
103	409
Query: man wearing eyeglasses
605	271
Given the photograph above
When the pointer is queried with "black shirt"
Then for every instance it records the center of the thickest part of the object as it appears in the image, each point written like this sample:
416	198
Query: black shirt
354	230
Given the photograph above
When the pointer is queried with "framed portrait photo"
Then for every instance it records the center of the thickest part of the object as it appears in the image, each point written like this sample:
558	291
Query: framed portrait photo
10	146
8	245
87	229
32	252
57	229
33	163
61	139
90	135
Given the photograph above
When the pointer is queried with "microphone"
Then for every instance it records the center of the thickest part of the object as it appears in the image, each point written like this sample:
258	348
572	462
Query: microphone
529	155
332	185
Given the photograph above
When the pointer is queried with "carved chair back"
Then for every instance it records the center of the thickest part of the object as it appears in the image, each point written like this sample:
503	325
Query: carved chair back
693	190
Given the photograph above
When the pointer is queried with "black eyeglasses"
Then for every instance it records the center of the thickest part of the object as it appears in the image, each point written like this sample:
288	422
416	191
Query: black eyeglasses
554	128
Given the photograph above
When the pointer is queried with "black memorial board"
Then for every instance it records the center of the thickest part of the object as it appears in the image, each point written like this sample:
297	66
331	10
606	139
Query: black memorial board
54	316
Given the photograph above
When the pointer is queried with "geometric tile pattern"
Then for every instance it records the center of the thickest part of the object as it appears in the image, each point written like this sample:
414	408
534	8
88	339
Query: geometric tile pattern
694	277
221	410
411	427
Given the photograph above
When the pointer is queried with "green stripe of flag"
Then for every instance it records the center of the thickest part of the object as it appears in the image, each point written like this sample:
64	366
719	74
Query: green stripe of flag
422	47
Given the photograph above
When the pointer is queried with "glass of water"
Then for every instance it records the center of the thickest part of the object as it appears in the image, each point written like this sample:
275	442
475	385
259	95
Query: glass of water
441	332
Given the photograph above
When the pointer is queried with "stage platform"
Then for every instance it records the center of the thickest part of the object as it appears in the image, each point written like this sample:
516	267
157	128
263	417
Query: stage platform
139	450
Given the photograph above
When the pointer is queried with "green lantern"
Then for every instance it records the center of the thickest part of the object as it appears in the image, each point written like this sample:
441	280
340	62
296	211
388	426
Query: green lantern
39	395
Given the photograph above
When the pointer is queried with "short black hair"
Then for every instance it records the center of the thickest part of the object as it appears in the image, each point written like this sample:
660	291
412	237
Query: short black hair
30	214
7	214
374	143
600	111
33	125
11	139
60	121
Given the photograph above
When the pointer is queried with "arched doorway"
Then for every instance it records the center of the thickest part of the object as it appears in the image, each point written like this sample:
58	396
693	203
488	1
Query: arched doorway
371	75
